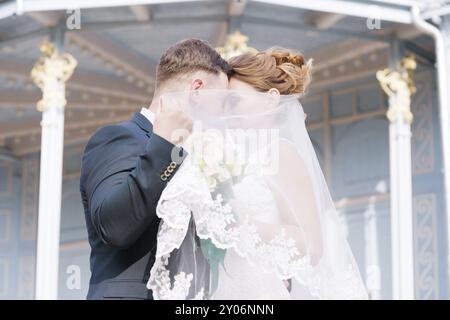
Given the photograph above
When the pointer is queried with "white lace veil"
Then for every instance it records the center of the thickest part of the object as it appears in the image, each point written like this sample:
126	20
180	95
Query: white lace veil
249	215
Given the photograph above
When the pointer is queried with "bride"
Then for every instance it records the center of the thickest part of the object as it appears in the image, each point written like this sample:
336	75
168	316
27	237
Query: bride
249	215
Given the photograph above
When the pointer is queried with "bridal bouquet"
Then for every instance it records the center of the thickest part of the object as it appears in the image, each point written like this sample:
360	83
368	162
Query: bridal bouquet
217	156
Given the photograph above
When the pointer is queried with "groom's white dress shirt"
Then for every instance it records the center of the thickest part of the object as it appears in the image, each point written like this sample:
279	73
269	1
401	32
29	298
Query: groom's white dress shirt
148	114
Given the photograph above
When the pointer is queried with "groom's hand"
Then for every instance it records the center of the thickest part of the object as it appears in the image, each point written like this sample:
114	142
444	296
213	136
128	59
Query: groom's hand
171	122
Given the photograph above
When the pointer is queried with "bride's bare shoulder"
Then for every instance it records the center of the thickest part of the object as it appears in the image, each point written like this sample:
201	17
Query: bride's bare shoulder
291	161
288	150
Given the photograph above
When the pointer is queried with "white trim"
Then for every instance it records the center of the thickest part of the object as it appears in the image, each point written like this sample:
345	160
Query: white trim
345	7
406	3
19	7
7	9
349	8
433	13
146	112
51	5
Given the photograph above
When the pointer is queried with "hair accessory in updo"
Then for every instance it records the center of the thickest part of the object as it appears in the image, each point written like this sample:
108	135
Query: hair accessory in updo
282	57
282	69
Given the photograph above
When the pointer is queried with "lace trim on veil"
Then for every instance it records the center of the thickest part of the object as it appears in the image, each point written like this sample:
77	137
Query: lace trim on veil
187	196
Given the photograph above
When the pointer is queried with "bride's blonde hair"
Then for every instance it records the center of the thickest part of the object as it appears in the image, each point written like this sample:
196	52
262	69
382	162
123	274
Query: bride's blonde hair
277	68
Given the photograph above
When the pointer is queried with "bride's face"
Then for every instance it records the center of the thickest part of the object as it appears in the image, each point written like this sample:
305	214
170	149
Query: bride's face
248	103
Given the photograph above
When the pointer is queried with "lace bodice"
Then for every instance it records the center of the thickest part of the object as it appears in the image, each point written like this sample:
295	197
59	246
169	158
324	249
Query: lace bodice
253	197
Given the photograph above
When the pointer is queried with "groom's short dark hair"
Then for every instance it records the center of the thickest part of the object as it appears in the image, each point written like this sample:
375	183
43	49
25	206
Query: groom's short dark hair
189	56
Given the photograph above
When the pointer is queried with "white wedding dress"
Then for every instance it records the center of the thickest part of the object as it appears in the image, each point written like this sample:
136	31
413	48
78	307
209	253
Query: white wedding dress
239	279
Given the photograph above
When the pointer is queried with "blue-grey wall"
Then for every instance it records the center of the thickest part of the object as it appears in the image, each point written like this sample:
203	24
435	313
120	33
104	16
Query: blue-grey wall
350	131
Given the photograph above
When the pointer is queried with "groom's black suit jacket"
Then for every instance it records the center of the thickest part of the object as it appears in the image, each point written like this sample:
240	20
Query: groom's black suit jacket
122	178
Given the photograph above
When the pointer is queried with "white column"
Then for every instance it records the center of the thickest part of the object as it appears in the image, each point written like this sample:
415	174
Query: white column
443	66
50	74
397	83
50	200
401	209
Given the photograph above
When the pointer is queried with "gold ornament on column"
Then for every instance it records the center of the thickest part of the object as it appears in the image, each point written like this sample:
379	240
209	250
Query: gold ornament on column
235	45
399	85
50	72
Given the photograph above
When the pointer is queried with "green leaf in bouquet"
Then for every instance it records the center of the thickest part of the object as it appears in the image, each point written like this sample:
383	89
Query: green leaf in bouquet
225	188
215	257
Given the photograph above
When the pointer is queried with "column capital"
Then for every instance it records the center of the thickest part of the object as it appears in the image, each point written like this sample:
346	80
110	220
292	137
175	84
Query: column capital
398	84
235	44
50	72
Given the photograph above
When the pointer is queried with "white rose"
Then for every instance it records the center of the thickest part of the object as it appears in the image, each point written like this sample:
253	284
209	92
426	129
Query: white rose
218	159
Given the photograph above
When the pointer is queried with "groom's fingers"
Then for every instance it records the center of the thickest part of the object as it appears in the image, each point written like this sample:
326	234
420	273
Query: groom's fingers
171	122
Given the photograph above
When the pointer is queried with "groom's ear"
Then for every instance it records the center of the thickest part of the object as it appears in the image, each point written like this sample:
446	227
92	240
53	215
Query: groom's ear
197	84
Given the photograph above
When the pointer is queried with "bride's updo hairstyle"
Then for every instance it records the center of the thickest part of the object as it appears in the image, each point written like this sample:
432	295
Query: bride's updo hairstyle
282	69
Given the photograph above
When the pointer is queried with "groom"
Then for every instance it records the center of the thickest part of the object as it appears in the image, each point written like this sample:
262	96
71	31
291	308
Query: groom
127	165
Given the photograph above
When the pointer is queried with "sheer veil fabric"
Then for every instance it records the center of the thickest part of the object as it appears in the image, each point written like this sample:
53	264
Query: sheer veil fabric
249	214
